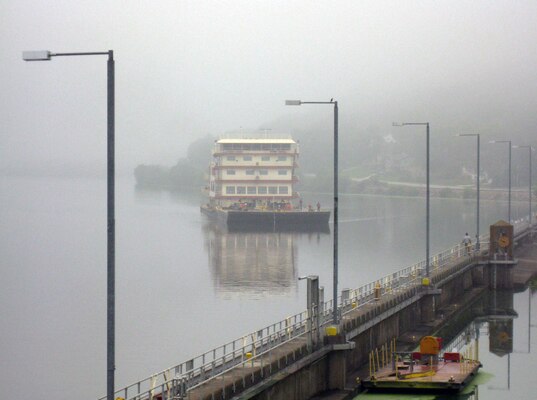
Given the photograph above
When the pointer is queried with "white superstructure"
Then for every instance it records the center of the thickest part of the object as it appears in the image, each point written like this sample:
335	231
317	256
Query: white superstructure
254	169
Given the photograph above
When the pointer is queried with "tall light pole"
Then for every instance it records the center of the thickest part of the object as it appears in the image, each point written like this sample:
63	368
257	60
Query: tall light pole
509	195
530	149
427	217
477	179
335	274
110	329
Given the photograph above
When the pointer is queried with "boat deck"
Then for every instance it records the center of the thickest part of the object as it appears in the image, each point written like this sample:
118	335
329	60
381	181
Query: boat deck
445	376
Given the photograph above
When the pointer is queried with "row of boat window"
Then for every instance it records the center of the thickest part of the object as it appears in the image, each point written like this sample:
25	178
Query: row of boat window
257	146
257	189
252	172
250	158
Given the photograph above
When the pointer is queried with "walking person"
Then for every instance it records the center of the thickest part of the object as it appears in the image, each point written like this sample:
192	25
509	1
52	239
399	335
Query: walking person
467	243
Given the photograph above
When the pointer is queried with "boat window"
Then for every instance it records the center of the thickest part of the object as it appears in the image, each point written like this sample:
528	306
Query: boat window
247	158
282	172
286	146
241	189
230	172
227	146
251	190
230	158
265	158
249	172
282	158
230	189
273	190
263	172
284	190
262	190
256	146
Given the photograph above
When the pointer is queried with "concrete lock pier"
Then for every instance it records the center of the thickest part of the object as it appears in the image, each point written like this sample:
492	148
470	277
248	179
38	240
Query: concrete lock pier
306	356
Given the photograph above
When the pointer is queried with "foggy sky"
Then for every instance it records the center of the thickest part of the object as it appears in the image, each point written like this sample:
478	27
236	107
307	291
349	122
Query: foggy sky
185	69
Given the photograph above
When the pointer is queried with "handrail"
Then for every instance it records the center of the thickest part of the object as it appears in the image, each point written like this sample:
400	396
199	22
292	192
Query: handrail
246	349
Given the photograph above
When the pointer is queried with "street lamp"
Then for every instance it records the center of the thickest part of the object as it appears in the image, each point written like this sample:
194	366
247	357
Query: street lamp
46	56
530	149
335	274
509	198
477	179
427	218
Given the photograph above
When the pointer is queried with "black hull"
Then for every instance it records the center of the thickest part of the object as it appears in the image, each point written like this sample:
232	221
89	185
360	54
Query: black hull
282	221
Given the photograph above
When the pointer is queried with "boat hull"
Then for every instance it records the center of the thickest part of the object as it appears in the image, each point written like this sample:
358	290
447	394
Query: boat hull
269	220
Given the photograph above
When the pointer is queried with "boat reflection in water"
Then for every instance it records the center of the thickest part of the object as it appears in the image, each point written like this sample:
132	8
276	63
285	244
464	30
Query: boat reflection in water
253	262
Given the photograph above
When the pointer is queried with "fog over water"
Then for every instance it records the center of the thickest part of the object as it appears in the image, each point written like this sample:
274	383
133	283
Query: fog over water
192	68
183	286
185	69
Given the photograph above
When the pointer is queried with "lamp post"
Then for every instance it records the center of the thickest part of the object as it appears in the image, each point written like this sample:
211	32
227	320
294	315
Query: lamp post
477	179
427	217
530	149
110	330
335	274
509	195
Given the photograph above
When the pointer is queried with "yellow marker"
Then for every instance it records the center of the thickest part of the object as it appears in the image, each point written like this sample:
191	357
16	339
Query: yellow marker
425	281
331	330
248	355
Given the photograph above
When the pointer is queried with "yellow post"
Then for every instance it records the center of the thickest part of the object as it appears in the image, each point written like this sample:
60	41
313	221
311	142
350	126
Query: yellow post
370	370
378	361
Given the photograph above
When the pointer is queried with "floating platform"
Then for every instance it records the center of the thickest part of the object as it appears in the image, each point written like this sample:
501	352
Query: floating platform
269	220
446	376
425	370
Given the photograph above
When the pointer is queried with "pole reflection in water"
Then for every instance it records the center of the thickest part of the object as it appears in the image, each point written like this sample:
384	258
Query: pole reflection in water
251	262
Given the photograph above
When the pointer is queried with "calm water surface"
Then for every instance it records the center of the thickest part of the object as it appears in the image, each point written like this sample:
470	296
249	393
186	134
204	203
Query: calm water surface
185	286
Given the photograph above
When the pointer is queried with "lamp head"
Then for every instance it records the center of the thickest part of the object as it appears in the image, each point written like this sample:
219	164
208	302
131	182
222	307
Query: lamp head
293	102
39	55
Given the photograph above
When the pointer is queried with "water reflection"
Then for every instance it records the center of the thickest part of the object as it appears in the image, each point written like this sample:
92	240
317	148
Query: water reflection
253	262
491	330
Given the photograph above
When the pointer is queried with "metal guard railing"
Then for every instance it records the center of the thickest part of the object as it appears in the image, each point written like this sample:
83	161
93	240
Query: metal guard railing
177	380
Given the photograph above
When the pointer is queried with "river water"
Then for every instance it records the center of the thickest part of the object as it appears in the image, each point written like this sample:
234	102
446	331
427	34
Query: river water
184	286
